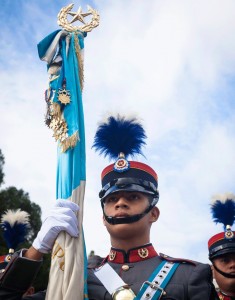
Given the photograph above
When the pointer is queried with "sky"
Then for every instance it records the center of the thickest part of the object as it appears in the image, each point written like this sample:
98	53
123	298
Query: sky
171	63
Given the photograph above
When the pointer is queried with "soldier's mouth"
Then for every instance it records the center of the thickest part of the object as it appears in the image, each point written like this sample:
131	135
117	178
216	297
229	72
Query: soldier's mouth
121	215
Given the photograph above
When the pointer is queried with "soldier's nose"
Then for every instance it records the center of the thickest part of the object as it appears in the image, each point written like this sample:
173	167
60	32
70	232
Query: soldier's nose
232	264
122	202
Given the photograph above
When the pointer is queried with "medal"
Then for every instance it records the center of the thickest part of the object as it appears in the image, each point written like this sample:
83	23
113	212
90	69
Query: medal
123	293
64	94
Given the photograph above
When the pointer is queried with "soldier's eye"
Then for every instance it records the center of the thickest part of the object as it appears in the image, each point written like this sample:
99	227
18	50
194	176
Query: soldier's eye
110	200
225	260
134	197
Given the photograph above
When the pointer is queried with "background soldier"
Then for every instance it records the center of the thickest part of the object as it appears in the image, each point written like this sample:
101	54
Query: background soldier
15	226
222	246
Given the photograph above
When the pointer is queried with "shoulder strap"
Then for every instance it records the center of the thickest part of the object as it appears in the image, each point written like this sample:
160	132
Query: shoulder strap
154	288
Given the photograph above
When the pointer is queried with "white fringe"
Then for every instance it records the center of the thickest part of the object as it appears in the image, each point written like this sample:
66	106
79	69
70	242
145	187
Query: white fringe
222	197
13	216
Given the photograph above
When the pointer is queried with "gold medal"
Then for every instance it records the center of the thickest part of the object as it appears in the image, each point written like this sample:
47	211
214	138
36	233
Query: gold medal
64	96
123	293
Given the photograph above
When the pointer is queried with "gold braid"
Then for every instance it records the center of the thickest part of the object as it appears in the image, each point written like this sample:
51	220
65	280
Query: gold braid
80	61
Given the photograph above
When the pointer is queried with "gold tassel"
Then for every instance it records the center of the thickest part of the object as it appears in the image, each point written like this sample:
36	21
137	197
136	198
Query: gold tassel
69	142
80	61
55	110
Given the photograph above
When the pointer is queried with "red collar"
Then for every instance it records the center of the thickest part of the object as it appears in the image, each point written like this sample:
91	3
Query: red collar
133	255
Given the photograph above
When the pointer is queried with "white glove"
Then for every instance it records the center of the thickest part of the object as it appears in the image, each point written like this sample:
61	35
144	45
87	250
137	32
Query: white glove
61	218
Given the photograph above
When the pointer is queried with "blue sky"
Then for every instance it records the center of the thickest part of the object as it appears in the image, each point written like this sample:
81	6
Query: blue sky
172	63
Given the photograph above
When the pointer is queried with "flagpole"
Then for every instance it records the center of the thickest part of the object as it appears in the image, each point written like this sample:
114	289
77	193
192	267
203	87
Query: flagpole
63	52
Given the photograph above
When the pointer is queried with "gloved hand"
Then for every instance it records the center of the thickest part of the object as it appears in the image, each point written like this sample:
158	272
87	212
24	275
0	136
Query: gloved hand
61	218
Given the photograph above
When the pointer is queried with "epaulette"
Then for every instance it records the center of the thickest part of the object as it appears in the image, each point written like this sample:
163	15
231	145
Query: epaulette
174	259
95	261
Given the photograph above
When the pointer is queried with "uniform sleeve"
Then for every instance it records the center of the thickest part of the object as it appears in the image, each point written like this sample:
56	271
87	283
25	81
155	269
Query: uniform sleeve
18	277
200	284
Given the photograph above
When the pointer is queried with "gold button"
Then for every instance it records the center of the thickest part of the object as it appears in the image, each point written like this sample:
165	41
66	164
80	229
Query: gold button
125	267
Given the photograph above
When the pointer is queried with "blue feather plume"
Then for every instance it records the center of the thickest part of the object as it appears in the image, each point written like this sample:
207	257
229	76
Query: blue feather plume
223	209
15	225
119	134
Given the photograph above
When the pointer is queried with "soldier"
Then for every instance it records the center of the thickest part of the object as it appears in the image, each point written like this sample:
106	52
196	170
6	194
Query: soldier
222	246
133	269
15	225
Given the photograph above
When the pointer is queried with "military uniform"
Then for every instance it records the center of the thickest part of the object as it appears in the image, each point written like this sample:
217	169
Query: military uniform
192	280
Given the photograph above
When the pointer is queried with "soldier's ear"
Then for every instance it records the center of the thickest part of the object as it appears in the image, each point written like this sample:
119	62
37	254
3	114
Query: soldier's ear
213	270
104	222
155	213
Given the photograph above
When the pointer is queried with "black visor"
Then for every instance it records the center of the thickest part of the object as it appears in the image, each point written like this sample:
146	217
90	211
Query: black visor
129	185
221	250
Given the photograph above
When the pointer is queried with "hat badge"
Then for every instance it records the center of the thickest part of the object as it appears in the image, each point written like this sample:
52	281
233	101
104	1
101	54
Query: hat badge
122	164
228	233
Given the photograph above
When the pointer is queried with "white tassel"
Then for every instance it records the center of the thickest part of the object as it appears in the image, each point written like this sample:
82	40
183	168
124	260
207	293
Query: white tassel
13	216
222	197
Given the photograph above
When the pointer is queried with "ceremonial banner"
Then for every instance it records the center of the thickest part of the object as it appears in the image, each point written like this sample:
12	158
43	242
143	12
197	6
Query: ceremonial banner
63	52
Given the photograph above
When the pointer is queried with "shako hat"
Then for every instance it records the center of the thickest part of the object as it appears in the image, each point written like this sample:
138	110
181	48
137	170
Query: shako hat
119	138
15	226
223	211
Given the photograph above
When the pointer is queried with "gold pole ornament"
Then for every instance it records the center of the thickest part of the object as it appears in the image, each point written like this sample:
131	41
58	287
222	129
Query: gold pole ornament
78	16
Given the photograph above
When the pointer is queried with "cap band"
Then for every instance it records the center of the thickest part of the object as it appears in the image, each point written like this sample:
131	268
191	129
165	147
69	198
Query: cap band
133	165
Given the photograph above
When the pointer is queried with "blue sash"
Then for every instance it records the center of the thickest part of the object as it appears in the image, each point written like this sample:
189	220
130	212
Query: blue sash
154	288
